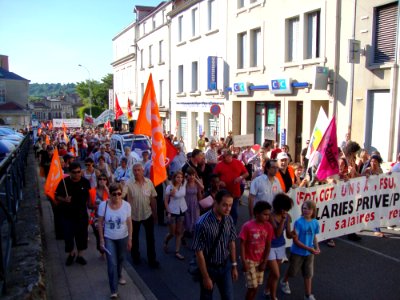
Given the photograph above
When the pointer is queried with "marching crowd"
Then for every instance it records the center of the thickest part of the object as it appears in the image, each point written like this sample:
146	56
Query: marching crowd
199	201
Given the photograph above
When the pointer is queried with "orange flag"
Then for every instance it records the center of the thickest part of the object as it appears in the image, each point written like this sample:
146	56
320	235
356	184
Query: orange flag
129	110
149	123
50	125
47	140
54	177
64	127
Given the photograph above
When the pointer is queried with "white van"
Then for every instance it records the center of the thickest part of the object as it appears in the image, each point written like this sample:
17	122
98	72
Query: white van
137	142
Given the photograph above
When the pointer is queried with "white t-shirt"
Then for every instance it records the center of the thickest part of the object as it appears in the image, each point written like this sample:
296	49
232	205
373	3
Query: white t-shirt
115	220
263	189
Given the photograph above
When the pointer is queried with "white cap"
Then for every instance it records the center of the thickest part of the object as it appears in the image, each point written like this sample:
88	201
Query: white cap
282	155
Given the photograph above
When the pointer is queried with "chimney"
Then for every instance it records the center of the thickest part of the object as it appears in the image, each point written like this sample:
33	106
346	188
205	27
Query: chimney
4	62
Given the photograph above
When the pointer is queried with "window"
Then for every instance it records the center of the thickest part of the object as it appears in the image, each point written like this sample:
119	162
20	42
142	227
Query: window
240	3
194	21
141	59
195	76
312	35
256	48
160	53
243	3
385	33
242	50
150	56
160	94
292	39
211	14
144	28
153	21
180	79
180	20
141	93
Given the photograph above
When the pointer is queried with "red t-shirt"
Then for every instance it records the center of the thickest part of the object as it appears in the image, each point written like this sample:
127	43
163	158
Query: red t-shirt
255	235
228	173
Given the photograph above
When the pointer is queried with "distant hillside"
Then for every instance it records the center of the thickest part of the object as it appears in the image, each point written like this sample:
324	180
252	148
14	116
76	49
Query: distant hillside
39	90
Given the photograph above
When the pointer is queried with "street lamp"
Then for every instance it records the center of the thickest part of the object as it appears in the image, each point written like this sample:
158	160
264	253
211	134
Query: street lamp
90	89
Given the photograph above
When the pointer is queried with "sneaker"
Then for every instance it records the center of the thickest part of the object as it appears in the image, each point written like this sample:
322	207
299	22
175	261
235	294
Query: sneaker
311	297
285	288
80	260
70	260
114	296
122	281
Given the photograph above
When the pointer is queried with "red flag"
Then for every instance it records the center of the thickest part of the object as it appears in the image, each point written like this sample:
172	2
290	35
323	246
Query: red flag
118	110
328	149
130	115
149	123
171	152
54	177
88	119
107	126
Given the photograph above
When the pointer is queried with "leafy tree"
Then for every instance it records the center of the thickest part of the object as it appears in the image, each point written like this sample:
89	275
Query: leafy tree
99	91
96	111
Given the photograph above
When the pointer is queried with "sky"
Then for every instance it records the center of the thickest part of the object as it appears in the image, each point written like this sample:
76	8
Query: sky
46	40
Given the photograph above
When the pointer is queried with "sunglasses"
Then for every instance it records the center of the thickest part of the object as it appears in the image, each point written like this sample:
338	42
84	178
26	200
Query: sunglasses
75	172
102	179
116	194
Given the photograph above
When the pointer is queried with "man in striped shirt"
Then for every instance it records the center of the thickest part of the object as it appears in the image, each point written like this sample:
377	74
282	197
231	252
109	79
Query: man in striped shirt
214	244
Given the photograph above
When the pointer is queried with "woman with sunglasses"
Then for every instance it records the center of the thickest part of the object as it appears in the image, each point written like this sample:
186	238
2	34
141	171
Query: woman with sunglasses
115	230
98	195
90	173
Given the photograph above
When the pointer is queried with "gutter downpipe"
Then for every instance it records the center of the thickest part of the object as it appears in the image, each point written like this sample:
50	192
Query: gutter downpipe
337	57
351	85
394	107
169	77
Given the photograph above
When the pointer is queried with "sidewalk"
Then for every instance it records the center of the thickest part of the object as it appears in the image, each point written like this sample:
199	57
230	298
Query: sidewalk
82	282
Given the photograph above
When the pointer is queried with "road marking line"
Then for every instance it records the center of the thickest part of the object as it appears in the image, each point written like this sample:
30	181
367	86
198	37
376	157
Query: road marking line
370	250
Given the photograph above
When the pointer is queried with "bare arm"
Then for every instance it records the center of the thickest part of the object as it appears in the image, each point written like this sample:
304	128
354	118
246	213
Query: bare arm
201	262
153	205
232	250
129	225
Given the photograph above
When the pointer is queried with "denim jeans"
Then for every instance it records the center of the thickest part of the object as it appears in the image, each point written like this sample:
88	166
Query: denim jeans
117	248
222	277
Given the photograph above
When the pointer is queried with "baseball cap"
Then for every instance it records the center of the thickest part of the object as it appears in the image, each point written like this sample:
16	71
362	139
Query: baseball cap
282	155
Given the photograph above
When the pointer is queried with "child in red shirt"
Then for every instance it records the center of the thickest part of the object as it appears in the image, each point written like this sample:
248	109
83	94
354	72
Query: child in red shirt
255	244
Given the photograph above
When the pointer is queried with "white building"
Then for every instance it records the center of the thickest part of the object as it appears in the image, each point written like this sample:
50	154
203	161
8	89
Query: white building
199	70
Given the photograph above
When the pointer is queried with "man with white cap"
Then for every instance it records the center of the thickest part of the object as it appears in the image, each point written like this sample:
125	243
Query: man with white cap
285	173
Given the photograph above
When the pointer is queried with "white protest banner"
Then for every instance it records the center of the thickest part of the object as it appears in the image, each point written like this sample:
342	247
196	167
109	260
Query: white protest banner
243	140
358	204
69	123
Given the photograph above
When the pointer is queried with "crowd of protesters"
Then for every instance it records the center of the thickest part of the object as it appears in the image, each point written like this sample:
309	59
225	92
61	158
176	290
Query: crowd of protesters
198	201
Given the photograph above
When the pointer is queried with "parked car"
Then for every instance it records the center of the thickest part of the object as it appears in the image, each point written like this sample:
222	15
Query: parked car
137	143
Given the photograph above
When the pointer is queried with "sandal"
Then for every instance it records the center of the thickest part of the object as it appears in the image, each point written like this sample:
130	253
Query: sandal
331	243
179	256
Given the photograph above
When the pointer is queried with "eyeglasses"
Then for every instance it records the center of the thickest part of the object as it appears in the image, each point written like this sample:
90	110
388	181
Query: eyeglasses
75	172
116	194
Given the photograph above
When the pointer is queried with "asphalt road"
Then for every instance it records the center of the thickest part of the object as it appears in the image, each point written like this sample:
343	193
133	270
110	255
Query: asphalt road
369	269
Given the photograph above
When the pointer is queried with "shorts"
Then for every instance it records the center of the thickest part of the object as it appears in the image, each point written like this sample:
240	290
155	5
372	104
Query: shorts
305	263
277	253
253	277
174	218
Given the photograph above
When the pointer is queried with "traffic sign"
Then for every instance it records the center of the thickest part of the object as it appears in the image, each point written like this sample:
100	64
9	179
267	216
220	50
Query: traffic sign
215	109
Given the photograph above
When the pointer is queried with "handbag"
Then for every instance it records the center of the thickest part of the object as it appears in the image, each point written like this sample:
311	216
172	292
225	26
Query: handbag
207	202
193	268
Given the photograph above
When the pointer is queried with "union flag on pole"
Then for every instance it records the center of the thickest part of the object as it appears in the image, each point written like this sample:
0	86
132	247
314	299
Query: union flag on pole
50	125
149	123
54	177
118	110
130	115
328	149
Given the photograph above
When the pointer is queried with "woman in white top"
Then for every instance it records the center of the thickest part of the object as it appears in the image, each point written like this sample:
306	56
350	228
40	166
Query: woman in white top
115	230
90	173
175	205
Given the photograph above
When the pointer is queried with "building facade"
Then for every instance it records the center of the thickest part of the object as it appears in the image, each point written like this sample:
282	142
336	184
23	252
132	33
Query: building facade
267	67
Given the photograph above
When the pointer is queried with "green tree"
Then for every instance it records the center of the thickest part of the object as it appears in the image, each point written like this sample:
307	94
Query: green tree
99	91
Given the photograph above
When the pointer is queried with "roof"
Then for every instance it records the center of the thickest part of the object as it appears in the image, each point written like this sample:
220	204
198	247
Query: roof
39	105
11	106
4	74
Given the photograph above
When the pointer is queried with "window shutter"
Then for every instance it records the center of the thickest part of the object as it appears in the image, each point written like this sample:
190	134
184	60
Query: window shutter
385	33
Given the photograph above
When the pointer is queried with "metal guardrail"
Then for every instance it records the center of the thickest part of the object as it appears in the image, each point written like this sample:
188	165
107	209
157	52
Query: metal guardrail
12	180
